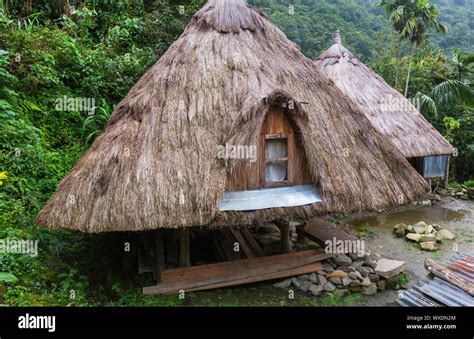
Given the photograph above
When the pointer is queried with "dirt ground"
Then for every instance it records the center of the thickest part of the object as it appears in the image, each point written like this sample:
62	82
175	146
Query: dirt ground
453	214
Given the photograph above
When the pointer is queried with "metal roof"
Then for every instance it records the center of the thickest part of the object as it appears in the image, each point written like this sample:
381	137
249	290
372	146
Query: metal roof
434	291
269	198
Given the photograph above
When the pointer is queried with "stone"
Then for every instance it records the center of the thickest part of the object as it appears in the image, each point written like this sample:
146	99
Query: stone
444	234
321	279
381	285
268	228
335	280
313	277
429	246
328	287
353	256
356	263
410	229
426	203
369	269
337	273
305	285
356	276
429	229
355	283
343	268
400	230
375	256
283	284
419	227
363	272
388	268
341	259
303	277
370	290
371	263
413	236
365	282
346	281
373	277
437	227
296	282
315	290
355	289
328	267
427	237
321	272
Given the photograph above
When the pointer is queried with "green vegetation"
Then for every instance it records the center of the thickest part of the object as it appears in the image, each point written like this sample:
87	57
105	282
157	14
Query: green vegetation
51	51
365	231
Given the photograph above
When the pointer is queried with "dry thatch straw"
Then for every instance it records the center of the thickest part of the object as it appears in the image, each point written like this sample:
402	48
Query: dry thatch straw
388	110
155	164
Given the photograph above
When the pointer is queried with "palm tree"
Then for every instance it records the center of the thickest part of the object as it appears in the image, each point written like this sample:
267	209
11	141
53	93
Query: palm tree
456	90
411	19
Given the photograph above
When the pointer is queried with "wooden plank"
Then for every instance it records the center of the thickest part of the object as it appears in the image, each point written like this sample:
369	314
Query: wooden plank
247	252
264	277
449	276
212	270
319	230
256	249
242	271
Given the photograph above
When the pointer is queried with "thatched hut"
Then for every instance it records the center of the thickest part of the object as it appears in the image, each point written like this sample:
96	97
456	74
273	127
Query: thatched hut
177	151
389	111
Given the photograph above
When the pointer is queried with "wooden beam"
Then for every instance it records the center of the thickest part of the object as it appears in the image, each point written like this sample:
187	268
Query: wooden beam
446	173
184	253
285	243
301	237
160	263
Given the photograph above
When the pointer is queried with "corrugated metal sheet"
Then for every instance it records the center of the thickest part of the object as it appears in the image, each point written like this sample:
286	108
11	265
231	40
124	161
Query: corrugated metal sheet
434	166
434	291
269	198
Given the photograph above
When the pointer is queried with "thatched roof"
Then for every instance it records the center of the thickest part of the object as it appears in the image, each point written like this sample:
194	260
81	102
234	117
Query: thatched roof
388	110
155	164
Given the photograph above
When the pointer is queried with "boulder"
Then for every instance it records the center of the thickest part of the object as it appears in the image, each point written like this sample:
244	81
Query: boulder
388	268
374	277
370	290
341	259
400	230
354	283
321	279
356	276
413	236
313	277
335	280
305	285
346	281
436	227
296	282
363	272
427	238
365	282
429	246
444	234
429	229
328	287
303	277
370	263
419	227
283	284
315	289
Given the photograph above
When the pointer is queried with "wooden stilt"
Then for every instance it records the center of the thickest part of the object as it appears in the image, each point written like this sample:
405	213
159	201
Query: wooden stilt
301	237
184	255
446	173
160	263
284	226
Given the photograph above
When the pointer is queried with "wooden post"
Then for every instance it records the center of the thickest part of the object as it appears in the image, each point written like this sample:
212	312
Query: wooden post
284	235
160	263
184	255
301	237
446	173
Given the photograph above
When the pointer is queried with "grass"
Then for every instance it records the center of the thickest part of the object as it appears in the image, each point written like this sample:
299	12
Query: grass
365	231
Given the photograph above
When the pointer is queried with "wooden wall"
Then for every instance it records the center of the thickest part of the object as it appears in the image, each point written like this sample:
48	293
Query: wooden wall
252	175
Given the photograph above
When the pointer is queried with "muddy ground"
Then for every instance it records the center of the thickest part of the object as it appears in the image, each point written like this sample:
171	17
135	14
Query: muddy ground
453	214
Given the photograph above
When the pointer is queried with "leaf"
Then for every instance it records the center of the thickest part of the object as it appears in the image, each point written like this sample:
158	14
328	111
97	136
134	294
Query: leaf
8	277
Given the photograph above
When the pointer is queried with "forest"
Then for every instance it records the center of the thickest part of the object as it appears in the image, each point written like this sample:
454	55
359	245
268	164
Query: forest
52	50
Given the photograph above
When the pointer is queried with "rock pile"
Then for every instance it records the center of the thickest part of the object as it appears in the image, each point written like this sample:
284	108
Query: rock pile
428	236
463	192
345	274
